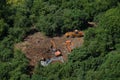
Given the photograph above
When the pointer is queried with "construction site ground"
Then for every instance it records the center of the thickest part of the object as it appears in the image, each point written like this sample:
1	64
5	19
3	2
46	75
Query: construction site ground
36	46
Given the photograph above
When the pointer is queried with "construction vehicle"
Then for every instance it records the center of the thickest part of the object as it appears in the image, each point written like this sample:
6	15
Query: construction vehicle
73	34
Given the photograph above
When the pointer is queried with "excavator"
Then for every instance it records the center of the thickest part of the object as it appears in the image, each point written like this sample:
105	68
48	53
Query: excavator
57	52
73	34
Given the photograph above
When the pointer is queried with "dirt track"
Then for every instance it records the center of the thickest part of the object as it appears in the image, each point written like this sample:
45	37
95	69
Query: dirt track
37	46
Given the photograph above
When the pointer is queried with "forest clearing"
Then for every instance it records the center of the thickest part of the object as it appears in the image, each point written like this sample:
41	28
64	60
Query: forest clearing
37	46
59	39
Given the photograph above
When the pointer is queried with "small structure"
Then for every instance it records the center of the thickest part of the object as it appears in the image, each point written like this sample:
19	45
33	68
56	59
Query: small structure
45	62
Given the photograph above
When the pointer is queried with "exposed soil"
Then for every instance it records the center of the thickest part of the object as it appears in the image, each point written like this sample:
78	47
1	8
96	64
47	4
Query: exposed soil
37	45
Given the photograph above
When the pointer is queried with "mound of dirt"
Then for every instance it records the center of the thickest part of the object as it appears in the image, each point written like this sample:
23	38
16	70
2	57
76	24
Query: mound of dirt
37	46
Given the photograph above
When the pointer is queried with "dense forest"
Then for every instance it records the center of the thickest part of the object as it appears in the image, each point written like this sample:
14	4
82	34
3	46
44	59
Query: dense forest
97	59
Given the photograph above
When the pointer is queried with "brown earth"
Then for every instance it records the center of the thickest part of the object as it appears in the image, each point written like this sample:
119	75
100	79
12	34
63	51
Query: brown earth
37	45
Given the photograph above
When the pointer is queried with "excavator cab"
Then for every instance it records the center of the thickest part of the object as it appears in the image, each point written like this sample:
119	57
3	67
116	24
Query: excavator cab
76	31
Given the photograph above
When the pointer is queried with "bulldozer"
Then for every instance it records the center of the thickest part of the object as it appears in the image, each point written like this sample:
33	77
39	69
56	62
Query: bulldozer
73	34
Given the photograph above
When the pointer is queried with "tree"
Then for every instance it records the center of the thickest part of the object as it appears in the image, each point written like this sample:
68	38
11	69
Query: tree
3	28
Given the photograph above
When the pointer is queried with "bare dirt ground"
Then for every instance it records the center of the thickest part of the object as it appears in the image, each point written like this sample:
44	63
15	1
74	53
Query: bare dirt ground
37	45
